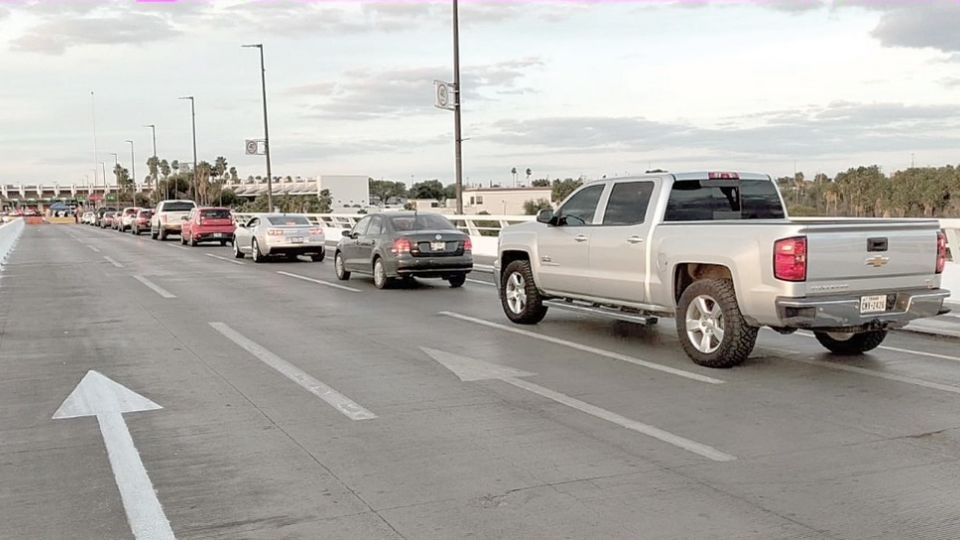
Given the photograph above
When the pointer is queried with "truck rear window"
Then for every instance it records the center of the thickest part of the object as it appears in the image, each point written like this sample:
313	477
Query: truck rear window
177	207
713	200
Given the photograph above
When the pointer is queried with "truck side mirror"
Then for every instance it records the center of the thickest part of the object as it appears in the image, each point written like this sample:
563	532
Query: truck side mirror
546	216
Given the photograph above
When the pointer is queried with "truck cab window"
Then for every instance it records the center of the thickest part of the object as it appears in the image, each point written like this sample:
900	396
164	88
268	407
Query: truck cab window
628	203
581	207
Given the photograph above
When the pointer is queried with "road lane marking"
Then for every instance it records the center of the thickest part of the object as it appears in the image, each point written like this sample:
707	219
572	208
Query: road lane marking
897	349
223	258
471	369
586	348
176	246
93	248
156	288
480	282
879	374
99	396
319	282
113	262
338	401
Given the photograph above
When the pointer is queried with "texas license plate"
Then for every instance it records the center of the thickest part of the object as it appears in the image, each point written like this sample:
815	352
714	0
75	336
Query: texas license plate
296	240
438	246
873	304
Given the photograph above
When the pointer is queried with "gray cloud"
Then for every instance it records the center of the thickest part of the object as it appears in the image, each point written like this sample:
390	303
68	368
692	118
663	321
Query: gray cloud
363	94
920	25
839	128
55	36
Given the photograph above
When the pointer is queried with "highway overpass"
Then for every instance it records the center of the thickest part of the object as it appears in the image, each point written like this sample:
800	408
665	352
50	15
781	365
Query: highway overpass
152	390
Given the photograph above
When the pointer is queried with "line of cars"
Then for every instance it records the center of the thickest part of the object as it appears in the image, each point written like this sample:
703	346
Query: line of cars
391	247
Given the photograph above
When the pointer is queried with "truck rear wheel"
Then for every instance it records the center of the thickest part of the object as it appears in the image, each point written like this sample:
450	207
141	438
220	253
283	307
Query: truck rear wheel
851	344
519	296
711	327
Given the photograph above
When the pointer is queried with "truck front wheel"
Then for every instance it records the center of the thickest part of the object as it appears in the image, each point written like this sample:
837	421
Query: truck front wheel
519	296
851	344
711	327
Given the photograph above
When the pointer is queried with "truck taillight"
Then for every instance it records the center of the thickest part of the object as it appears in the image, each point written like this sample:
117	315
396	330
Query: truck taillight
317	231
401	245
468	245
942	251
723	176
790	259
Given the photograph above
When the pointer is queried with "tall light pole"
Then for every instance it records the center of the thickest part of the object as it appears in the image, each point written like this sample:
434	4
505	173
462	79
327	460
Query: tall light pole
193	125
266	128
103	167
456	105
93	112
116	162
153	129
133	171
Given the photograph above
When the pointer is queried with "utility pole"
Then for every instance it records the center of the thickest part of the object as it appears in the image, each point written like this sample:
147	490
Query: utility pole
103	167
116	162
153	129
266	128
456	105
193	124
93	111
133	172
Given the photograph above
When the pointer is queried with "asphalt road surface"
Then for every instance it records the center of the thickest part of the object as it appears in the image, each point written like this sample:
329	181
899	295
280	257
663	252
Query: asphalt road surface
232	401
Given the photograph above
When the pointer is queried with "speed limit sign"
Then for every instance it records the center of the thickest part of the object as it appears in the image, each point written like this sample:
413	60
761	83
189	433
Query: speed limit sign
253	147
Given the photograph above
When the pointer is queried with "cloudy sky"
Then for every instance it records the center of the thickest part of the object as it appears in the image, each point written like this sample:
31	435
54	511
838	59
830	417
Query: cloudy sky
565	88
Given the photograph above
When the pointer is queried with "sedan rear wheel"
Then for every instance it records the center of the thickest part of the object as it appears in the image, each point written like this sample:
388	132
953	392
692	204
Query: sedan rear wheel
457	280
236	251
255	252
380	279
339	267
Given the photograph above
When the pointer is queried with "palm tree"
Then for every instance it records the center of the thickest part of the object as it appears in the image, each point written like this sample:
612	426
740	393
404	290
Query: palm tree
529	172
513	171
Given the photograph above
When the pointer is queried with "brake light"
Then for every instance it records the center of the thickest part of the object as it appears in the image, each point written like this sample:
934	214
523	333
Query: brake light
401	245
941	251
790	259
316	232
468	245
274	232
723	176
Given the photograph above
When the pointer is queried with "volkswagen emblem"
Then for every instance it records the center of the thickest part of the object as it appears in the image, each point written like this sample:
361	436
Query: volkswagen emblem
439	237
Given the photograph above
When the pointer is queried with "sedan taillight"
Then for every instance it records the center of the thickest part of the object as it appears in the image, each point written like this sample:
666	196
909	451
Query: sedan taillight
468	245
401	245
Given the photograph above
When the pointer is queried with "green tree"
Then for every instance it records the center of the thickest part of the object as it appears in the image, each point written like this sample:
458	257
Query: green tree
541	182
429	189
529	172
384	190
450	191
532	208
233	174
563	188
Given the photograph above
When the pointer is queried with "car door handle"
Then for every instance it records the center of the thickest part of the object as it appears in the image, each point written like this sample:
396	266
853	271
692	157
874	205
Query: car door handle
580	238
635	240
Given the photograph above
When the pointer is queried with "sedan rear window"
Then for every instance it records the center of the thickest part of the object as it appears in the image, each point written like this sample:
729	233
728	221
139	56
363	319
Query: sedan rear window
288	221
425	222
178	207
215	214
146	213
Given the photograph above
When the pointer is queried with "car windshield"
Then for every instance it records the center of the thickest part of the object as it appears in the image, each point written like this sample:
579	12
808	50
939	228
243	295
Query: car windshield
288	221
219	213
421	222
178	206
146	213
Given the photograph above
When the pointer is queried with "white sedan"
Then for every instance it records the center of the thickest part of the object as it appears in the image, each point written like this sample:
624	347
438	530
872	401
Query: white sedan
288	235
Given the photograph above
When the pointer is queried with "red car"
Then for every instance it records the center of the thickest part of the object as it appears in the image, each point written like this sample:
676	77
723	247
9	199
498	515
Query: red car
141	221
207	224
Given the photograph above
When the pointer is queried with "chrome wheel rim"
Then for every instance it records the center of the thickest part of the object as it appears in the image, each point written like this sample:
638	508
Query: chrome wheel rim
256	250
705	324
378	274
338	262
516	293
236	248
840	336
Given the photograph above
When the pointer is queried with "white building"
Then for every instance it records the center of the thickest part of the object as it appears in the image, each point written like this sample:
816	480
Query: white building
502	201
346	191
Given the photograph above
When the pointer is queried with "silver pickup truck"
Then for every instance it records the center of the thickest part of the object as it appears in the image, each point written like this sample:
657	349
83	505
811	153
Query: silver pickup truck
718	252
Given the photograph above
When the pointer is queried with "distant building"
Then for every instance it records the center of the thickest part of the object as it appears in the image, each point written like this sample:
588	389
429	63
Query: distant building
346	191
502	201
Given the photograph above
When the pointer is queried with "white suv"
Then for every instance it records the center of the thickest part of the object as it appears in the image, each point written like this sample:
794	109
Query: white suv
167	218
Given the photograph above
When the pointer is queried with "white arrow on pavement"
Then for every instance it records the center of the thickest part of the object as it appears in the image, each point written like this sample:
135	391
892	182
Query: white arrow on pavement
99	396
471	369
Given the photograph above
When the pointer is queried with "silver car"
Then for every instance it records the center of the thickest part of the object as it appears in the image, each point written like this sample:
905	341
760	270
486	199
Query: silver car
287	235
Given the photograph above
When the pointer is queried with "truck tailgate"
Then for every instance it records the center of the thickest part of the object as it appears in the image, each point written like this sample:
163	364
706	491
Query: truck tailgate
870	255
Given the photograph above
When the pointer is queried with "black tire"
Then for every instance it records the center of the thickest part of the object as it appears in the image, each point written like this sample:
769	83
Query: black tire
193	241
223	243
456	281
380	279
255	252
237	254
854	344
292	257
529	308
153	234
161	235
183	240
339	267
318	257
739	338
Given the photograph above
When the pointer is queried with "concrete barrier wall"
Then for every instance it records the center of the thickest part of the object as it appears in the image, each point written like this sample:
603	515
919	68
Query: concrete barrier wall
9	234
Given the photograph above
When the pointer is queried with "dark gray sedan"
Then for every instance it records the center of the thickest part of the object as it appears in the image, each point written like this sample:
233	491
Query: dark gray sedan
405	245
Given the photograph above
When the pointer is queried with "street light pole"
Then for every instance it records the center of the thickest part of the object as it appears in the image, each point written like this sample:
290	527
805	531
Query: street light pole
133	171
153	129
193	125
266	128
93	111
103	168
456	105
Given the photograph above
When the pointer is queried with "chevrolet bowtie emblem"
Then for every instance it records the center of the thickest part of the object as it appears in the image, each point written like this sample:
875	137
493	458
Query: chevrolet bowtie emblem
877	261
